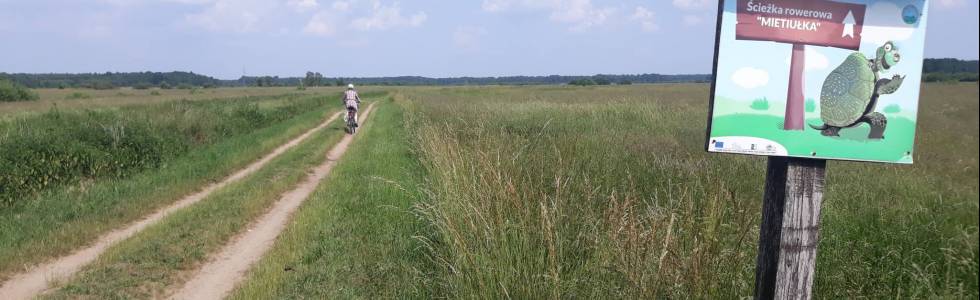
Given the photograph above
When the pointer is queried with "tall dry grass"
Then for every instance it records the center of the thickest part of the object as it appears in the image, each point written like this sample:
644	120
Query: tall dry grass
561	192
576	196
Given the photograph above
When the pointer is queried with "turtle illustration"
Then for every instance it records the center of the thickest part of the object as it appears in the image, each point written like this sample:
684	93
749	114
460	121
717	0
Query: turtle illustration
851	91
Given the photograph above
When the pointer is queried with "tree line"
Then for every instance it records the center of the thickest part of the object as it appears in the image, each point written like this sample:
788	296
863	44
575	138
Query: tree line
110	80
949	70
943	69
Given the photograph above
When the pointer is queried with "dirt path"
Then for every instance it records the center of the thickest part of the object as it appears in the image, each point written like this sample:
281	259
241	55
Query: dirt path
223	271
36	280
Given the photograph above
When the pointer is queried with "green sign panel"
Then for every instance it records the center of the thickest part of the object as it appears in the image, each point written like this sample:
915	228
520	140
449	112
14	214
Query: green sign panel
817	78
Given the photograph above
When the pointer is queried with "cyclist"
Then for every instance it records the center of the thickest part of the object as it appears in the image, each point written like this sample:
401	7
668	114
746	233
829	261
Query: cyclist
351	101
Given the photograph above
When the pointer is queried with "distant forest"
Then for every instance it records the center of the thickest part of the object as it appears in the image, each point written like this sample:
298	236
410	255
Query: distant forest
945	69
110	80
949	69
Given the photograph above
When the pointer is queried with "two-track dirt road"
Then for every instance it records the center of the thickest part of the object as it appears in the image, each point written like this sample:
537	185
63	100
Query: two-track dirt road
219	276
38	278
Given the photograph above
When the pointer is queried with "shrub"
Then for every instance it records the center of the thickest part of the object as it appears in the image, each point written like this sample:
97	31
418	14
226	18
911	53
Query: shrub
760	104
893	109
184	86
99	85
165	85
142	86
582	82
810	105
12	92
77	95
155	93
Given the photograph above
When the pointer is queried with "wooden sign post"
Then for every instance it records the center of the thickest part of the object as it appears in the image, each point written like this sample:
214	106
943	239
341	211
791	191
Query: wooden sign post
800	23
790	228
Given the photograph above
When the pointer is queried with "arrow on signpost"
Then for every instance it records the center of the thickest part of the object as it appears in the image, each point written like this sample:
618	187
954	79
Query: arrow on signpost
800	23
848	25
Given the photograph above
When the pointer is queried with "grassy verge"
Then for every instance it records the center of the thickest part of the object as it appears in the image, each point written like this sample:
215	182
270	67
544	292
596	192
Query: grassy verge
146	265
354	237
60	220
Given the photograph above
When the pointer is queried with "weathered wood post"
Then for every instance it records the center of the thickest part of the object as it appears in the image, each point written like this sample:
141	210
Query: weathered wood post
790	228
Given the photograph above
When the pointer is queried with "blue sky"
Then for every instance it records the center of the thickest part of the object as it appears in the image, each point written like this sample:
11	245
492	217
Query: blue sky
387	38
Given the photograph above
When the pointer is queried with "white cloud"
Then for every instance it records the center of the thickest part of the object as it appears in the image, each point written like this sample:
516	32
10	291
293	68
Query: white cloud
814	60
580	14
883	23
232	15
388	16
303	5
321	24
692	4
341	6
750	78
468	37
496	5
645	17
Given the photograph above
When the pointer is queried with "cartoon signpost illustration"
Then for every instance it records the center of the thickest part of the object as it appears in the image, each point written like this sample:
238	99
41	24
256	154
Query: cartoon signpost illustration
818	79
851	93
801	23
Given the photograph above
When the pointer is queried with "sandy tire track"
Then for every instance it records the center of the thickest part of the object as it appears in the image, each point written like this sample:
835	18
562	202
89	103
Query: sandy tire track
36	280
224	271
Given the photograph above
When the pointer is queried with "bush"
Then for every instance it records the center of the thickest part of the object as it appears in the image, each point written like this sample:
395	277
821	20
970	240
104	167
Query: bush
142	86
184	86
77	95
893	109
99	85
155	93
950	77
12	92
165	85
810	105
760	104
582	82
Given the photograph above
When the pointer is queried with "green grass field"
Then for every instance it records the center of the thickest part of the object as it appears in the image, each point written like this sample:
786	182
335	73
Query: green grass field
525	192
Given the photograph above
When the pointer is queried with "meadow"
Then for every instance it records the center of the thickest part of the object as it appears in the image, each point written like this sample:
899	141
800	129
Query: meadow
603	192
511	192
